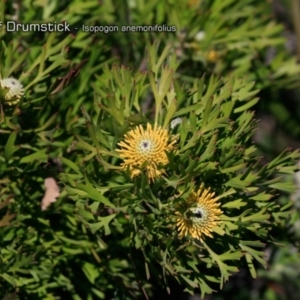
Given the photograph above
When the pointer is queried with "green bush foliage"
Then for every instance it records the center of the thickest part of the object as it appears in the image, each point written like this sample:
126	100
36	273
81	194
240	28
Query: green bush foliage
114	232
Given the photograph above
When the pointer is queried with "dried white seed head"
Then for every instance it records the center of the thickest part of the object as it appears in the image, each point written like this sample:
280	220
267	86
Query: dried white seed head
175	122
15	90
200	36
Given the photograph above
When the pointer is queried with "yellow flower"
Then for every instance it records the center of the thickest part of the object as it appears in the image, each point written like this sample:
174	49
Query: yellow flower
12	90
199	214
145	150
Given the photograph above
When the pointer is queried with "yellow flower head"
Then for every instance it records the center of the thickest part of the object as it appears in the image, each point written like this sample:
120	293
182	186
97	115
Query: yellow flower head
145	150
13	90
199	214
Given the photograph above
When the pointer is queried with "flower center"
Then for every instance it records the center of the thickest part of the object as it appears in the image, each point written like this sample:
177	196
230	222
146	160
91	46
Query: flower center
145	146
197	214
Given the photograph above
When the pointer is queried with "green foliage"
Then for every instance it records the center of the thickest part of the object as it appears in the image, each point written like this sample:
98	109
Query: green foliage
212	148
110	236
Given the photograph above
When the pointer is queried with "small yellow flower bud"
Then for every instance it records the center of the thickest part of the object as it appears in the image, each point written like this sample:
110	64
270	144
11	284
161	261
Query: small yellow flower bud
212	56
